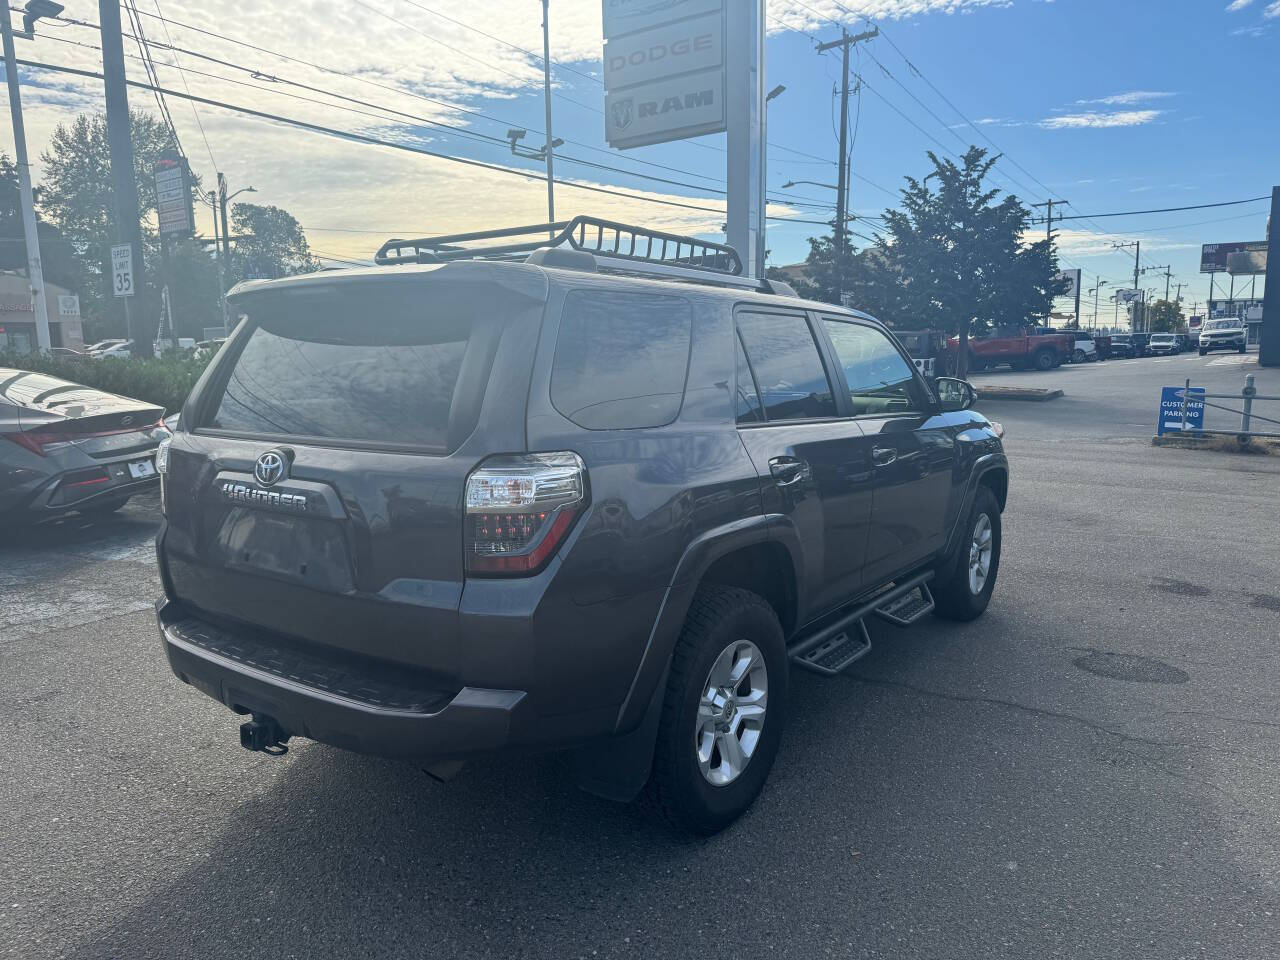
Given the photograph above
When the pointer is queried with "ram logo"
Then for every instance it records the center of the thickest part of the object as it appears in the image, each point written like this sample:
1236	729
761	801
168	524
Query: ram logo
624	111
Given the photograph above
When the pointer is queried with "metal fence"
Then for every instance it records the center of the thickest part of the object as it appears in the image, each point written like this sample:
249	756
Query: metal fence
1248	417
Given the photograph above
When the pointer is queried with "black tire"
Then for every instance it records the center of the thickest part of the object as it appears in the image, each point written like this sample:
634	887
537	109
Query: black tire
1045	360
102	509
1241	348
678	790
1079	357
1203	351
954	598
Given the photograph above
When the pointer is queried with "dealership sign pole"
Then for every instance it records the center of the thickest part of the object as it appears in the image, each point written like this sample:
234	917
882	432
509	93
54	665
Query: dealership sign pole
1269	350
675	69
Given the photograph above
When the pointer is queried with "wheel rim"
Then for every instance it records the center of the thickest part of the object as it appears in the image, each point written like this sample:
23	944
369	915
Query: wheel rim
731	712
980	546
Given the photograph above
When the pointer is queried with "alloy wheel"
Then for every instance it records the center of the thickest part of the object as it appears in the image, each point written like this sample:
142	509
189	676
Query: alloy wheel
731	712
980	554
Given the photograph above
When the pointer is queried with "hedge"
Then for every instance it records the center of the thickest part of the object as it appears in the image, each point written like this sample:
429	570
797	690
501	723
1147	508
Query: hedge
164	381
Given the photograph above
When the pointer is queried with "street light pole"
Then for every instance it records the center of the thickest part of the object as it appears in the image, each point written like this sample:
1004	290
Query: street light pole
761	251
546	96
35	271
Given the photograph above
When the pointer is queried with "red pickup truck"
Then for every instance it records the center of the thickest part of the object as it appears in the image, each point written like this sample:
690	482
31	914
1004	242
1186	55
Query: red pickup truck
1020	347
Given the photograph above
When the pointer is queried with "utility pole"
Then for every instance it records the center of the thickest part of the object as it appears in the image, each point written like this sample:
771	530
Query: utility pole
31	233
222	206
1168	276
845	43
1137	254
546	96
1269	345
124	188
1048	217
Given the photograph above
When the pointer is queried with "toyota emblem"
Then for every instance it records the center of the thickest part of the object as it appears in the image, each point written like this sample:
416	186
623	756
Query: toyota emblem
270	468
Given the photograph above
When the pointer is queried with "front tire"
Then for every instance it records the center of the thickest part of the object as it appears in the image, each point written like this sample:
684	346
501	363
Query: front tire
1203	351
964	585
1045	360
723	712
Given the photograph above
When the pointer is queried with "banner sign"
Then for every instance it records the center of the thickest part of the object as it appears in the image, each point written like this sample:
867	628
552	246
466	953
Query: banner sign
664	70
1239	259
173	196
1170	417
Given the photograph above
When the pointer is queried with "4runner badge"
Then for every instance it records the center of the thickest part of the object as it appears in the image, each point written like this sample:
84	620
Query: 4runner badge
256	496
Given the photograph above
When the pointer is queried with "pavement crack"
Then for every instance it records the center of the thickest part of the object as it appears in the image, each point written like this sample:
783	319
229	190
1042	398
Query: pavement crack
1024	708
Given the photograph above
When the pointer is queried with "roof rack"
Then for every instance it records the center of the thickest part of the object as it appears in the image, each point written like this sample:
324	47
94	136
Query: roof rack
595	244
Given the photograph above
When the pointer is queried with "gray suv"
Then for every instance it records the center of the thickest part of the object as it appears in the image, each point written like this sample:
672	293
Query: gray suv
595	492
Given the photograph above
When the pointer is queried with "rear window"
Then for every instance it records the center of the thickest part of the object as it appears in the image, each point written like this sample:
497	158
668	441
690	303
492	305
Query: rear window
335	370
621	359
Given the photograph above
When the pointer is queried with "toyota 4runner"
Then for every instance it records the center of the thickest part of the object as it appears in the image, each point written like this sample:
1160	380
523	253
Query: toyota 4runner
596	493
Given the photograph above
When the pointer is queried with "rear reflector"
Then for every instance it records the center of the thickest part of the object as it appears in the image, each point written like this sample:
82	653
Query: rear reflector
519	509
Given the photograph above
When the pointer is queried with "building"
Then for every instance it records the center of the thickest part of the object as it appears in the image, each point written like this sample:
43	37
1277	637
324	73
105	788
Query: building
18	319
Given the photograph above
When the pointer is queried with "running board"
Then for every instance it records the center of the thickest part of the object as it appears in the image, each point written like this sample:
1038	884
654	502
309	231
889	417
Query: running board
837	654
908	608
838	645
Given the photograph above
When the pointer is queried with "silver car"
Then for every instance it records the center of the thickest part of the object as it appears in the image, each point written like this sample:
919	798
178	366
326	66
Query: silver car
65	446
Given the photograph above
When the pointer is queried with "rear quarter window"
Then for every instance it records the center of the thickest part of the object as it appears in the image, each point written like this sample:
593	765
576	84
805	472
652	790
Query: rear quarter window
621	359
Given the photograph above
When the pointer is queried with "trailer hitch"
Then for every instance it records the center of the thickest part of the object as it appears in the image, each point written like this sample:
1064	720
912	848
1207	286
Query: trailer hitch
263	734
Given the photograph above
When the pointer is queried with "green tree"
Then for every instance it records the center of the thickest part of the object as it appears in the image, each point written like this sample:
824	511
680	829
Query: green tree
827	272
57	255
76	196
268	243
954	257
1164	316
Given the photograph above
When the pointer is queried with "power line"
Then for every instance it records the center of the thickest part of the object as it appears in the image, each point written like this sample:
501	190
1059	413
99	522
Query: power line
1136	213
799	201
378	141
194	112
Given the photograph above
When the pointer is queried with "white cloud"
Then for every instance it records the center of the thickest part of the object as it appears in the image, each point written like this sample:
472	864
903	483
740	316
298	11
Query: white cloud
1272	11
1238	5
816	14
1122	118
1129	99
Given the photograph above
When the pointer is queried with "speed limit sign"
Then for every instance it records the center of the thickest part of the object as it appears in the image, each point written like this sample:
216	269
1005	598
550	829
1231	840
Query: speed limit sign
122	269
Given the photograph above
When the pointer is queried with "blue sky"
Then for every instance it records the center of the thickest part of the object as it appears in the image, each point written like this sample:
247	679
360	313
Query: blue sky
1112	106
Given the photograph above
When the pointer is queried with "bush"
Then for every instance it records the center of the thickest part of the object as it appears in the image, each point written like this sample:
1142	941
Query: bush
164	381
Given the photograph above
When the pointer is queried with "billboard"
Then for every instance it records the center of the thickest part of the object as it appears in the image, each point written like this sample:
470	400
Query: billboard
173	196
1073	283
664	70
1243	308
1235	258
1127	295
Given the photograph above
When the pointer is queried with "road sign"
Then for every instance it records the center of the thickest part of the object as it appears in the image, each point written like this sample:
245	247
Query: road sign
1170	416
122	269
664	70
1238	259
68	305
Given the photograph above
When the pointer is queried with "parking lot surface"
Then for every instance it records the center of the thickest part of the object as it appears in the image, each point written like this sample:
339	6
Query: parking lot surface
1092	769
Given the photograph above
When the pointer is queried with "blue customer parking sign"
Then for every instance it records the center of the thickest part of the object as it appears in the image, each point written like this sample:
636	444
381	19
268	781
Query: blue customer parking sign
1170	420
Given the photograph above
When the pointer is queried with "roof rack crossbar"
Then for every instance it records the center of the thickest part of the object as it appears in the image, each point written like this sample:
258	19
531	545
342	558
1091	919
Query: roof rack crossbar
617	241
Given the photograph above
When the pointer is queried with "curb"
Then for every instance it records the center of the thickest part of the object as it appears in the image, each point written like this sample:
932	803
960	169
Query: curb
1033	394
1217	443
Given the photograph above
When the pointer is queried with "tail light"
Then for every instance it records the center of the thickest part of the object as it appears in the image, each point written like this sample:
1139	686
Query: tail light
44	442
519	509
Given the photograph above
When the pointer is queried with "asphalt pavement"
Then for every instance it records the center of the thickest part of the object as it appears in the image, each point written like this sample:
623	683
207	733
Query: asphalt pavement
1090	770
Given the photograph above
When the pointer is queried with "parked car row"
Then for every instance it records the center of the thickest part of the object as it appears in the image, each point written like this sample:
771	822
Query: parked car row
122	349
1131	345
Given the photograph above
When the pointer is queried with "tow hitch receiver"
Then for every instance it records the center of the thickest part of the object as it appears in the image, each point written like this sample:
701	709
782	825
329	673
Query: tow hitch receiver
264	734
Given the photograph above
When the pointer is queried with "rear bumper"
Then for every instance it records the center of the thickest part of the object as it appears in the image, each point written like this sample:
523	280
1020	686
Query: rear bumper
50	495
365	713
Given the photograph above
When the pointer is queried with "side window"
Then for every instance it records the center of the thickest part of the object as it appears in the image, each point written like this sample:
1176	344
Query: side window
748	402
787	366
879	380
621	359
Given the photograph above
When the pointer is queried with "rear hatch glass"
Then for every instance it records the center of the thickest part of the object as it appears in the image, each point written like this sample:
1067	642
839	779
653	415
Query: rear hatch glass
340	370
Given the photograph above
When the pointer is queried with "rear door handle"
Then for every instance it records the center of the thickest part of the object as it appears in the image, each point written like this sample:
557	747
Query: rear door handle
883	456
786	470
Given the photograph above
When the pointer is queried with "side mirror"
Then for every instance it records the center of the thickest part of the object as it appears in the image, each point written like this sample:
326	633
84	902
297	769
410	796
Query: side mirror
955	394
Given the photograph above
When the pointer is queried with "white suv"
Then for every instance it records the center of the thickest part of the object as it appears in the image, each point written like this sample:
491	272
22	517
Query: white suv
1222	335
